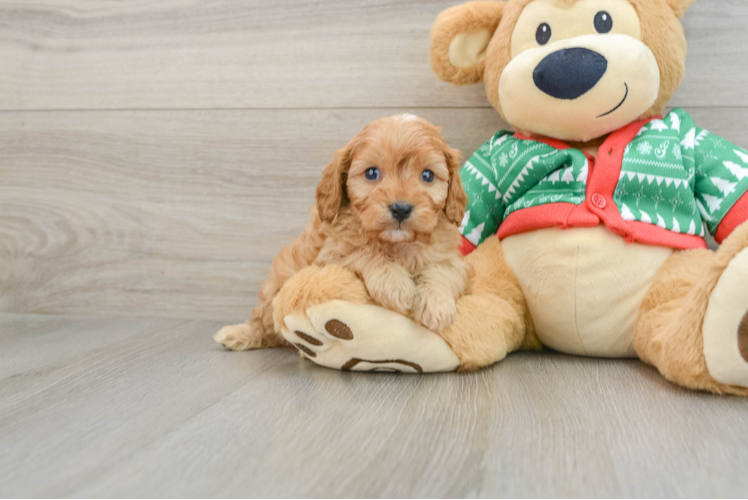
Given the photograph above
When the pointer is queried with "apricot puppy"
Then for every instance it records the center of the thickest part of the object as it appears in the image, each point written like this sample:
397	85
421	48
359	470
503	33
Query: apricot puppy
388	209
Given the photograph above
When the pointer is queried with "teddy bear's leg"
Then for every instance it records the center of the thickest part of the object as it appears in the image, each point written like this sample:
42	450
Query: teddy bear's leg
345	332
725	327
493	320
693	323
323	312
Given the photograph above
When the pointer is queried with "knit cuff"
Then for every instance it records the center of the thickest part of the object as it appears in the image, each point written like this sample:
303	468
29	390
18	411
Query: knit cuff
737	215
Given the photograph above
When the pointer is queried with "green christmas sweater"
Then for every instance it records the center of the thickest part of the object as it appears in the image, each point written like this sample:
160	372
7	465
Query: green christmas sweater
659	182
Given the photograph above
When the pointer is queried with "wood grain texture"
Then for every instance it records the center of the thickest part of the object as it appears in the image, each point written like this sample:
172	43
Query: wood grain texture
152	407
154	156
177	213
179	54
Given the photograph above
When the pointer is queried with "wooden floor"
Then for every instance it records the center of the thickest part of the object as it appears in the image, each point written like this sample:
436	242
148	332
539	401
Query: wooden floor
99	407
155	156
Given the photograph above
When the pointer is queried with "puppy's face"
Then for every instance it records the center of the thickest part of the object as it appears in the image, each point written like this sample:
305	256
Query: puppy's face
399	178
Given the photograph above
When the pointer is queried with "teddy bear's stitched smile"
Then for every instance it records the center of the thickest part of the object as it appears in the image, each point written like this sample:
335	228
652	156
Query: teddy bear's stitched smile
620	104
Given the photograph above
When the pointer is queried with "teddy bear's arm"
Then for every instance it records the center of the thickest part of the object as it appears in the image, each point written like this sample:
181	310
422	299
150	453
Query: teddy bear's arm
721	179
485	206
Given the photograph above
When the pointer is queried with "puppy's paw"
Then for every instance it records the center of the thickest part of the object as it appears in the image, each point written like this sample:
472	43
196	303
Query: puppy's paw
435	309
240	337
396	295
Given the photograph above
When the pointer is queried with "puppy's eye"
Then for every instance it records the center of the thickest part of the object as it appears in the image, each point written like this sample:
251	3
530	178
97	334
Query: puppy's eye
372	174
603	22
543	35
427	176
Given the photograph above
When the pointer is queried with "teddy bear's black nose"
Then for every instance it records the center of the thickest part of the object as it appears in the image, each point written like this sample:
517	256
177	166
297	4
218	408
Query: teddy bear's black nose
570	73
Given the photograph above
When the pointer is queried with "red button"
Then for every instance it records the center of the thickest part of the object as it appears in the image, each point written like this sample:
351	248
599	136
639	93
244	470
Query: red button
599	201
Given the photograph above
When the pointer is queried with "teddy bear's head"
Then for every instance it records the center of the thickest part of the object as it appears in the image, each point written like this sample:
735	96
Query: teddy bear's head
574	70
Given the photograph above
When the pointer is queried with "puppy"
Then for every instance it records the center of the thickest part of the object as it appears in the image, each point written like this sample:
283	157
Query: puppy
388	209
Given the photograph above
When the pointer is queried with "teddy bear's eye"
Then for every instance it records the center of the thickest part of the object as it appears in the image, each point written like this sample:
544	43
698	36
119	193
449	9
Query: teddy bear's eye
603	22
543	34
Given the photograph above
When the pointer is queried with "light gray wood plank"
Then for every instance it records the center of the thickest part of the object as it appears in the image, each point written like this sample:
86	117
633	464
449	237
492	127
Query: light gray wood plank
176	54
178	213
162	411
77	415
37	342
173	214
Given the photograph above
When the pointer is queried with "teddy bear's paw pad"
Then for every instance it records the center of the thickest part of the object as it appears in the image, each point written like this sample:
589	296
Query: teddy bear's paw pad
377	339
308	338
386	366
338	329
743	337
300	333
725	327
305	350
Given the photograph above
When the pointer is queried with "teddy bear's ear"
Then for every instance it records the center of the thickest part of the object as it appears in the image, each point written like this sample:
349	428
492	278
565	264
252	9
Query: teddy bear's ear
459	39
680	6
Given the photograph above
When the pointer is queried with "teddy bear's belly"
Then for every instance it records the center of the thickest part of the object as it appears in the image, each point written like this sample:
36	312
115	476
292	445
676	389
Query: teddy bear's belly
584	286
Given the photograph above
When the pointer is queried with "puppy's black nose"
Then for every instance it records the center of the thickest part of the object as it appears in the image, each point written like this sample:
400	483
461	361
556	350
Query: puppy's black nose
401	210
570	73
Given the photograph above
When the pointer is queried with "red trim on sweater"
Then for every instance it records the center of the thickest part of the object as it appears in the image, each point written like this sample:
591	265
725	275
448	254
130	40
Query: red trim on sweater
649	234
568	215
466	247
603	177
737	215
542	216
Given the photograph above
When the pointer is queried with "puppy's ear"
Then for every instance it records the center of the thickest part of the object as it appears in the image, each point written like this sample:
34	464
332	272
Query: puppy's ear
456	196
680	6
459	39
330	190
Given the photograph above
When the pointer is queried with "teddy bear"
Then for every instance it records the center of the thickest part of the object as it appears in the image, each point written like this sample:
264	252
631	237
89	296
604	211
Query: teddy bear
586	222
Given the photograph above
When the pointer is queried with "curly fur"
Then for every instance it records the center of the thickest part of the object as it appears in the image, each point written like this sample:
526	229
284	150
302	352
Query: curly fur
412	267
668	333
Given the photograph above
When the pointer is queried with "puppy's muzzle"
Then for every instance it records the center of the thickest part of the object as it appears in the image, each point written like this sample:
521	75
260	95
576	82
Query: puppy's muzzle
401	210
